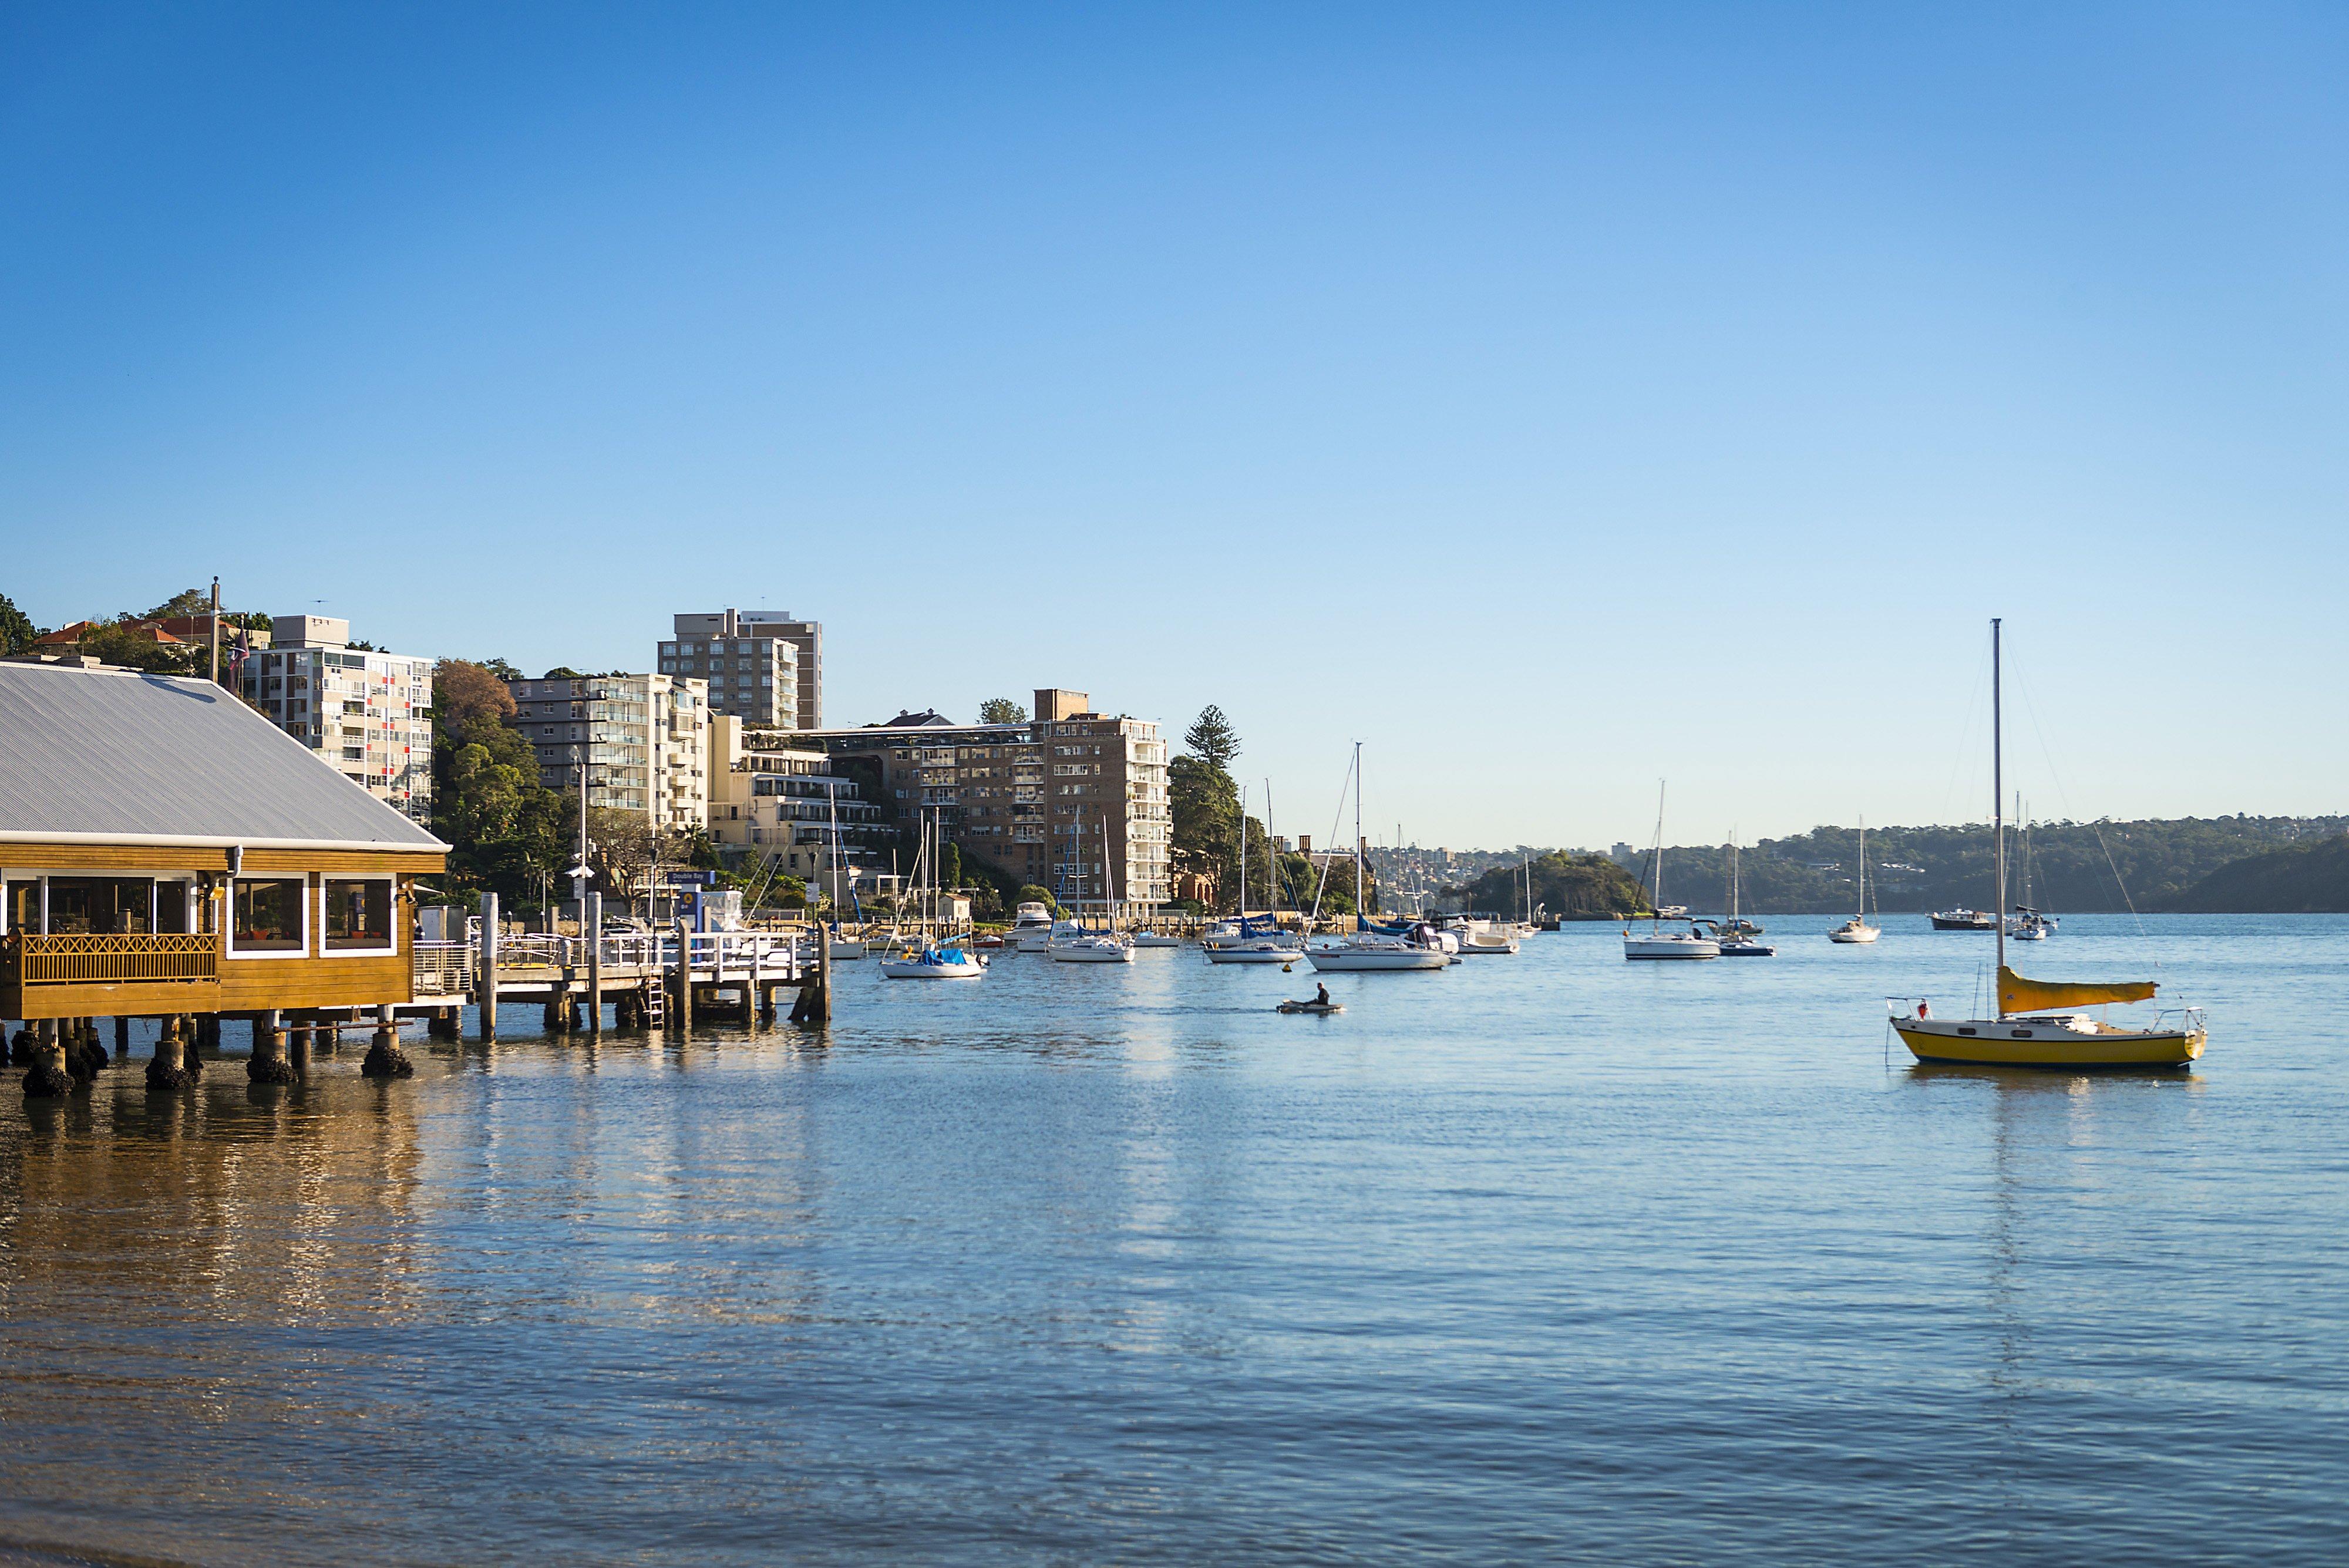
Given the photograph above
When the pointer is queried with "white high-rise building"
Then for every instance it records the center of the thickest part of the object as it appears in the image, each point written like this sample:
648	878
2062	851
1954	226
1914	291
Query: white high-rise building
644	739
367	712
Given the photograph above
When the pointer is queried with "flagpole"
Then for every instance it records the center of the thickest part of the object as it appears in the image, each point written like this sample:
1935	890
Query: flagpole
213	667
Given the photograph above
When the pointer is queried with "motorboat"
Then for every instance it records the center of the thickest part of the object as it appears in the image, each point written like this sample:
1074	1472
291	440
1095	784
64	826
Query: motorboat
1485	938
2038	1023
1858	928
946	962
2028	925
1964	919
1031	928
1156	939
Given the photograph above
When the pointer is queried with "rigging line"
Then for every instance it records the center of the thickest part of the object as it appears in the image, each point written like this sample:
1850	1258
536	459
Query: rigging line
2056	774
1334	822
1965	744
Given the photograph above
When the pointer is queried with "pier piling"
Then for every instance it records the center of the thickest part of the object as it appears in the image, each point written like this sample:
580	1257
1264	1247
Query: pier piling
168	1069
385	1059
268	1064
485	981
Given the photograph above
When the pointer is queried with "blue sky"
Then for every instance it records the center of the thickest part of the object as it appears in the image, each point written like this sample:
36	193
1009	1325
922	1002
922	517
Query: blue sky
1554	398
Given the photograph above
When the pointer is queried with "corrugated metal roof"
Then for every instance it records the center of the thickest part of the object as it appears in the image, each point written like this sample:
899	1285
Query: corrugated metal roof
90	754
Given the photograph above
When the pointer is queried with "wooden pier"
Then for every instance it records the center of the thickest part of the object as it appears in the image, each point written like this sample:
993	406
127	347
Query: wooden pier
665	979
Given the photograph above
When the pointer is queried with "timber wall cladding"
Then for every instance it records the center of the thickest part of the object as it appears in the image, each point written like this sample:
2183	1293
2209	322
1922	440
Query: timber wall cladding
164	857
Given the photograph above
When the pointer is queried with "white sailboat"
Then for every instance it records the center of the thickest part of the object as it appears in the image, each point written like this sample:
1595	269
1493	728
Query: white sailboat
1655	942
919	958
2026	924
1075	944
1368	949
1245	941
1857	929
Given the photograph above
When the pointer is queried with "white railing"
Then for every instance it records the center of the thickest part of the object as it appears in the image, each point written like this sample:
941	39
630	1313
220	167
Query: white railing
447	968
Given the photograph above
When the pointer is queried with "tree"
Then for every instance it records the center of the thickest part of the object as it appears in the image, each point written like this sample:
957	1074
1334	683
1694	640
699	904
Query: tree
1002	710
1031	894
115	643
186	602
465	695
16	628
1574	886
563	673
1212	739
506	831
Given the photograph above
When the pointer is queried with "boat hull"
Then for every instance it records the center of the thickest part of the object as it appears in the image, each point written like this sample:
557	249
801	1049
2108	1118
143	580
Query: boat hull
1342	960
913	968
1846	935
1670	948
1090	955
2025	1043
1963	922
1254	955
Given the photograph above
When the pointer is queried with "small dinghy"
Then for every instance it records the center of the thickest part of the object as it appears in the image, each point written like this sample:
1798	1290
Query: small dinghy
1319	1009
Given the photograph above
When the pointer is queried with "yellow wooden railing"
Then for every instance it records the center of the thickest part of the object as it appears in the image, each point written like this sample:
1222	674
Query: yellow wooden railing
92	960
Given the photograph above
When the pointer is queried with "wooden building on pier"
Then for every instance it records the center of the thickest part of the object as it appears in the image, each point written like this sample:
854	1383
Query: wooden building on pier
166	850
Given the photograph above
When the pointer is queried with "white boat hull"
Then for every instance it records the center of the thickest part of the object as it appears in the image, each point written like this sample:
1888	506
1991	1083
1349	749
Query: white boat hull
1087	952
1152	939
1853	934
847	949
1340	961
1668	947
1260	954
1469	948
913	968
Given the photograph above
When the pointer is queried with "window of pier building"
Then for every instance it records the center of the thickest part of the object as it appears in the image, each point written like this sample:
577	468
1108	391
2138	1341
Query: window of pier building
269	918
357	914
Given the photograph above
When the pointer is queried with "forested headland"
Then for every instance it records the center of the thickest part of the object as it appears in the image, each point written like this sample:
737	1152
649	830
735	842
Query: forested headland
2079	866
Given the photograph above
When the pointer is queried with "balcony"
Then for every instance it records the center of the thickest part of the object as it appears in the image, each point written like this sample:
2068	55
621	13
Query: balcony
73	976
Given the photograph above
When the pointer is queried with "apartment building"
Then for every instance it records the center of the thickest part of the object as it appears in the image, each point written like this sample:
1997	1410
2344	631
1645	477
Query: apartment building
1071	800
643	739
764	666
366	712
787	807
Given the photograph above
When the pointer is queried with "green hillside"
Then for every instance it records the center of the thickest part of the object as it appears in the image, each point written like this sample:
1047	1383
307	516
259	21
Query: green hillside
2306	879
1575	886
2160	862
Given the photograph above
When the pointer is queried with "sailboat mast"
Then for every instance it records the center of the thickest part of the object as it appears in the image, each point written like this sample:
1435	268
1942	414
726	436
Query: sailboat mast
1997	800
1358	835
1243	909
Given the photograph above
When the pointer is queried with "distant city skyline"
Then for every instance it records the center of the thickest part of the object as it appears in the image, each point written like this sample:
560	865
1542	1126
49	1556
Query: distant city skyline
1554	401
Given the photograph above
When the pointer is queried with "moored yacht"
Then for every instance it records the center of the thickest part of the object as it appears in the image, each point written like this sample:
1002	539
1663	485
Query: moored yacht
1858	929
1655	942
2037	1023
1031	928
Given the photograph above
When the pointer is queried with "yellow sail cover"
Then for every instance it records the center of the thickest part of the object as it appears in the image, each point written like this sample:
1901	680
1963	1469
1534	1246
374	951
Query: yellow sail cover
2016	994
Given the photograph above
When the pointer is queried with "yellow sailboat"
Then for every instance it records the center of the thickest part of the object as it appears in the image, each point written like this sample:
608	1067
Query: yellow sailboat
2038	1023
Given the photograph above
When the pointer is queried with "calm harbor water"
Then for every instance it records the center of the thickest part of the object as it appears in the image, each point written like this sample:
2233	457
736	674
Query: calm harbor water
1551	1257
